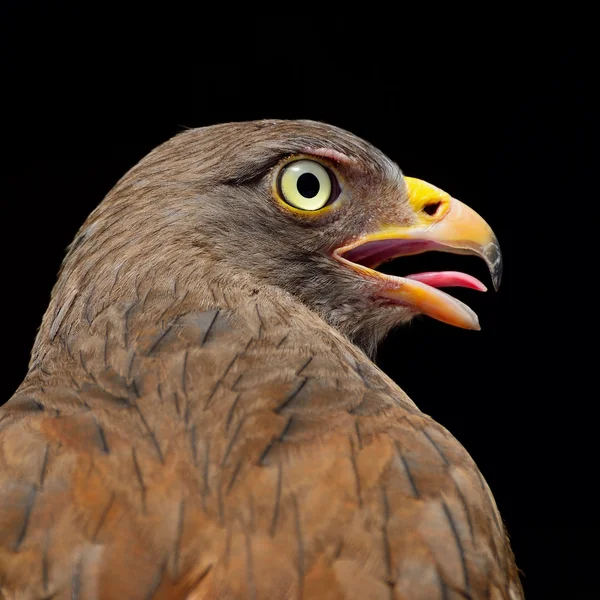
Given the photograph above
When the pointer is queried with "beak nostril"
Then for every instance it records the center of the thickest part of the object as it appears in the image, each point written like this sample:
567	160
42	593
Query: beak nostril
432	208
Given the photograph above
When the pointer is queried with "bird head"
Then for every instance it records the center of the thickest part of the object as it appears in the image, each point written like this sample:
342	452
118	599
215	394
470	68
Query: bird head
300	205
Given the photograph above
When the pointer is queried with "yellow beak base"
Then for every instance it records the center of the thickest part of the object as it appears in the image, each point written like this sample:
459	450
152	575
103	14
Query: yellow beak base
442	223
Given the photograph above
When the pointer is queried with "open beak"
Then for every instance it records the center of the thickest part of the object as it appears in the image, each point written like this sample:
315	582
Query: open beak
443	224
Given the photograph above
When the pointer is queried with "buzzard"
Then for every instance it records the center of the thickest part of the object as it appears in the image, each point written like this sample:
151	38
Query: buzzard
201	418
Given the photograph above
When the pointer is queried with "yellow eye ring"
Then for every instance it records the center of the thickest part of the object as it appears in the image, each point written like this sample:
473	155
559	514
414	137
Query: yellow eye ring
306	185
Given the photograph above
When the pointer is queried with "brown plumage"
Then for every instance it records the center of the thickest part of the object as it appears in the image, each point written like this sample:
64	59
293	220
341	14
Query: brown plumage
200	420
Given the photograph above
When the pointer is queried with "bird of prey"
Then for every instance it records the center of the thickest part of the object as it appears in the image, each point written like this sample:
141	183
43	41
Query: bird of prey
201	418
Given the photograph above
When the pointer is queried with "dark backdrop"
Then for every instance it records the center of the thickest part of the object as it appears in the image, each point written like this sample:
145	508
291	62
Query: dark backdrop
497	117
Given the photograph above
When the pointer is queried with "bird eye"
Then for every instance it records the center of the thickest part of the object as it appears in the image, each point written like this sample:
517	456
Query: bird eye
306	184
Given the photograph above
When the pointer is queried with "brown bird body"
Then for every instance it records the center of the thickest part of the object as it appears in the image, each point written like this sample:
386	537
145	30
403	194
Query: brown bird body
199	421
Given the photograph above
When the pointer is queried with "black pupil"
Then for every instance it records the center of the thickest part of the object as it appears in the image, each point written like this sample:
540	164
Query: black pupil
308	185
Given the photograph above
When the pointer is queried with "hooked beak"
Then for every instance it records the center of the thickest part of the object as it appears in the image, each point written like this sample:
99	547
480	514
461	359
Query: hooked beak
443	224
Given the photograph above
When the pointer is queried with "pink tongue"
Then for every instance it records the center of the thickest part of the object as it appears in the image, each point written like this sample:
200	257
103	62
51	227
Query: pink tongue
448	279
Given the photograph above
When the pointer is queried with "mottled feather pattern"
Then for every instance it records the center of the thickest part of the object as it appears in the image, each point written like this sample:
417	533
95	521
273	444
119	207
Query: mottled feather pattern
252	464
215	437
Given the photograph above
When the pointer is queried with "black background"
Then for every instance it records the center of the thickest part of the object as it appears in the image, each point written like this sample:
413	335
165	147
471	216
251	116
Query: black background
498	115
